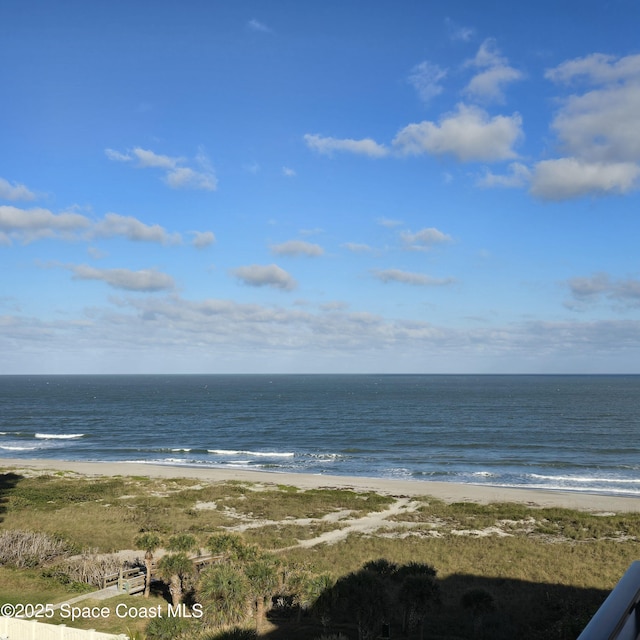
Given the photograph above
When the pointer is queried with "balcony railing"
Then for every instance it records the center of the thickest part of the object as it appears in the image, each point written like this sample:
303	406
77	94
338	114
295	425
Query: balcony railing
619	616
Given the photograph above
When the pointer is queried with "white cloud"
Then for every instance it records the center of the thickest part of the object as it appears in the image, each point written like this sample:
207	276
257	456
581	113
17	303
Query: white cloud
171	333
598	130
187	178
425	78
357	247
518	176
424	239
458	32
602	124
489	84
589	287
297	248
588	290
469	134
488	55
271	275
327	145
597	68
334	305
388	222
311	232
144	158
260	27
567	178
14	191
203	239
116	156
288	172
32	224
27	225
131	228
149	159
146	280
177	175
409	277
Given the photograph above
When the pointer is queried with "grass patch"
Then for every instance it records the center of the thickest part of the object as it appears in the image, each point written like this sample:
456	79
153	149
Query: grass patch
115	623
29	585
555	522
547	575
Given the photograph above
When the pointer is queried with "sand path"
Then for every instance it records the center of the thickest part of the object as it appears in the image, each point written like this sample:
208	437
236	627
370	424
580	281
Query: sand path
370	523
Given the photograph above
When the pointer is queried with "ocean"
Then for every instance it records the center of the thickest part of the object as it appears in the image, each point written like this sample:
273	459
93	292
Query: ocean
576	433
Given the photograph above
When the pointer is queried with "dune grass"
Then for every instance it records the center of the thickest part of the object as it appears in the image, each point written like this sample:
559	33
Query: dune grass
548	569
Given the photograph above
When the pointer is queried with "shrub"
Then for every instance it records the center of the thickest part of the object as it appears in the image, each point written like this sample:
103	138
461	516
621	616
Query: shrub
24	549
88	568
168	629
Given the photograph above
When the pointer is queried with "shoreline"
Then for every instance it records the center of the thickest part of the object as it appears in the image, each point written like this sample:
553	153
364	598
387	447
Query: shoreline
446	491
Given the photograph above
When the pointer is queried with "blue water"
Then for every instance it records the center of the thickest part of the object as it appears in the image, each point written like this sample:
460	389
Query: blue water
579	433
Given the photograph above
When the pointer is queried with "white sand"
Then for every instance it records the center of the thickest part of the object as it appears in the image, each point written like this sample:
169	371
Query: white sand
447	491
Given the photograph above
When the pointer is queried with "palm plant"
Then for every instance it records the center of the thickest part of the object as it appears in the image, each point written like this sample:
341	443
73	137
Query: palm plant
308	589
416	595
148	542
224	593
168	629
363	595
183	542
174	568
263	582
414	569
480	602
381	567
233	546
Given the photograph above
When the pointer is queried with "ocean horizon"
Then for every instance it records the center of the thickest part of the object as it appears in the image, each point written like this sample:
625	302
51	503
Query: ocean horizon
557	432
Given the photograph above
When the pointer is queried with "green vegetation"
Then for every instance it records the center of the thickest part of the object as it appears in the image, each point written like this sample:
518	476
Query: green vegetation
503	570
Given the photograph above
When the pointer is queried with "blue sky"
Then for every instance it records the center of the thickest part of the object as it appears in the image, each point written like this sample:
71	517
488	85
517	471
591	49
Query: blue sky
335	186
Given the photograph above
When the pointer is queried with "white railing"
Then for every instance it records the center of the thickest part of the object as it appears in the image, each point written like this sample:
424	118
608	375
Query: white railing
619	616
19	629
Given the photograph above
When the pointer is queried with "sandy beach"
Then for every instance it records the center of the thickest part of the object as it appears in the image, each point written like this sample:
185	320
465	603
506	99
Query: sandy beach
446	491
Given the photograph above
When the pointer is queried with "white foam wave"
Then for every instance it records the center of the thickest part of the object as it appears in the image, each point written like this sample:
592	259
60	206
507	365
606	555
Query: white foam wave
575	489
179	450
257	454
59	436
585	479
10	448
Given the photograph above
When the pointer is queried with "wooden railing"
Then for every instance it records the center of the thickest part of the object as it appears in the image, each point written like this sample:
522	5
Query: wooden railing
127	580
133	580
204	561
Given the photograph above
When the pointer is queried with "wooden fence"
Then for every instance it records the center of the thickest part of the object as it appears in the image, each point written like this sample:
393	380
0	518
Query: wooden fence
19	629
